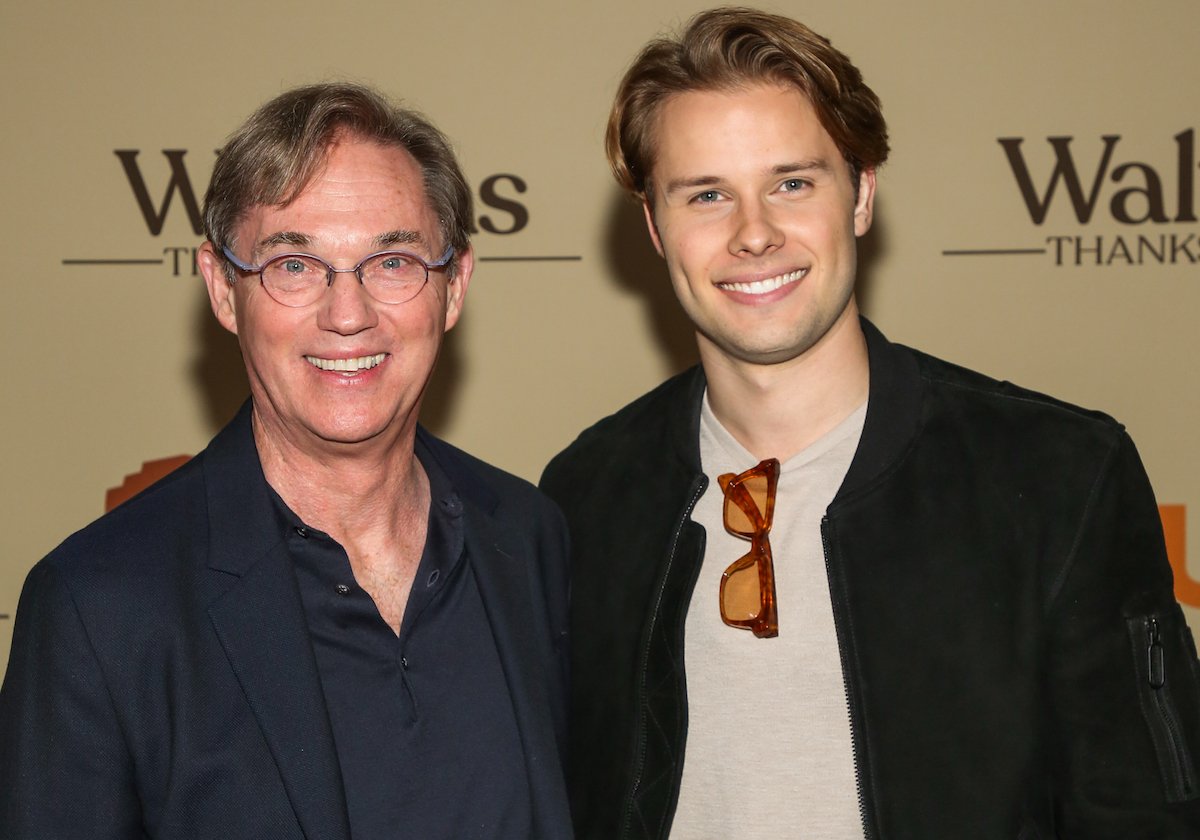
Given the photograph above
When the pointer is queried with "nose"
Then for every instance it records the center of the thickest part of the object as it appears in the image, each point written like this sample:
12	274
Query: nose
346	307
755	231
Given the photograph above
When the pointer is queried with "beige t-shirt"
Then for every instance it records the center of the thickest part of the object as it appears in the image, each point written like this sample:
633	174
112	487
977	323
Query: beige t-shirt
768	750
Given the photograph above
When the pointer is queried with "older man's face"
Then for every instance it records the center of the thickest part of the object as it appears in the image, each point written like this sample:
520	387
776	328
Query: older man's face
366	197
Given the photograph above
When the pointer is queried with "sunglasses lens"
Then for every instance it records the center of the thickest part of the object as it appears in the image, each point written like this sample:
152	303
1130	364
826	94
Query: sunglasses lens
741	597
738	520
756	486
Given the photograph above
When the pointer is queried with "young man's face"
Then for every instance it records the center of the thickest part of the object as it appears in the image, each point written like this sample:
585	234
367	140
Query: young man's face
755	212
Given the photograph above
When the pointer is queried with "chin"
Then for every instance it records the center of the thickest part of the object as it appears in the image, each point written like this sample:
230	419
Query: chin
764	353
349	430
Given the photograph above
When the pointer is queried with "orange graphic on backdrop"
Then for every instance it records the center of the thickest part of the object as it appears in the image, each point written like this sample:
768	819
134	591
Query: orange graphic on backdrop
1174	520
135	483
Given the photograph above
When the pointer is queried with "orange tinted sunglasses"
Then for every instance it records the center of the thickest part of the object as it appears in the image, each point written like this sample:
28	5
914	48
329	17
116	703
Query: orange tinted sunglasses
748	585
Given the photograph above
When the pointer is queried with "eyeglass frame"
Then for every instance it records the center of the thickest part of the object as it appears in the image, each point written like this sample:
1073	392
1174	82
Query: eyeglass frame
331	271
765	625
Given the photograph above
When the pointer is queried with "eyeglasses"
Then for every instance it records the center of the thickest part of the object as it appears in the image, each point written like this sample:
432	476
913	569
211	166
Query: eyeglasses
748	585
301	279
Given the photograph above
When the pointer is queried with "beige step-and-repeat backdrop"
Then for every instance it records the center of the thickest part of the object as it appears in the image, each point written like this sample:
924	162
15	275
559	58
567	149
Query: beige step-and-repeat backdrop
1038	220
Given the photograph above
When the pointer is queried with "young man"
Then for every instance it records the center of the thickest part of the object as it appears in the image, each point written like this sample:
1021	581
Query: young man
318	626
909	601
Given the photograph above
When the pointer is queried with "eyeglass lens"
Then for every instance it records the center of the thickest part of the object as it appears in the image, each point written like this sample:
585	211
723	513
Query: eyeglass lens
389	278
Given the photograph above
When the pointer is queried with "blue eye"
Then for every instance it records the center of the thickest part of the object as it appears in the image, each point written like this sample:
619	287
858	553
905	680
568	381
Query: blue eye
792	185
708	197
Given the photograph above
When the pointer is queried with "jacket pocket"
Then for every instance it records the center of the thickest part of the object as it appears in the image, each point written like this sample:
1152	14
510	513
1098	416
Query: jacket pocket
1164	659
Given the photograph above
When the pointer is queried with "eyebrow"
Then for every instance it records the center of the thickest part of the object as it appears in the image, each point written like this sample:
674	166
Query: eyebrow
399	237
283	237
811	165
791	168
680	184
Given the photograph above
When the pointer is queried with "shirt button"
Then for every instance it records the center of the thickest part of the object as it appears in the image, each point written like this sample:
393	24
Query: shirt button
342	589
302	533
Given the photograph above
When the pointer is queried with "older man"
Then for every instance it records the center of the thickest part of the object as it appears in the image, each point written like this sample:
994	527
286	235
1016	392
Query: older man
329	623
824	585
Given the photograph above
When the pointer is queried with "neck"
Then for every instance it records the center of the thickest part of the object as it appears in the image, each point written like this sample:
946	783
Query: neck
777	410
349	491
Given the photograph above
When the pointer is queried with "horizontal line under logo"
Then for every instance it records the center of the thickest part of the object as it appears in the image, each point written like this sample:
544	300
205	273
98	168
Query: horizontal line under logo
991	252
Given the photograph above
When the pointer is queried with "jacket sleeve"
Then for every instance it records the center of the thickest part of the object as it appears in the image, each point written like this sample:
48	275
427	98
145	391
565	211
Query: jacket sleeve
1125	697
63	760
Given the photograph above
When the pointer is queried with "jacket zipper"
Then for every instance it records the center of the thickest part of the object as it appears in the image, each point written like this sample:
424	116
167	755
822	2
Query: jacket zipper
698	486
1182	779
842	626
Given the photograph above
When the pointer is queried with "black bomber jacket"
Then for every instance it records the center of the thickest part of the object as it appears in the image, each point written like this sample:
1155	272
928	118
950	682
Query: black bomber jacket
1016	665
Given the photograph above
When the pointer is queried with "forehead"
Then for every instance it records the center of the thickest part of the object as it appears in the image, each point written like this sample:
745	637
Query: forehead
707	132
362	189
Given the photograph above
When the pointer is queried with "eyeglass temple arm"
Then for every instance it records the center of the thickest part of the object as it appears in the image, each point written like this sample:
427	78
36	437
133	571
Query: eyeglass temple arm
229	255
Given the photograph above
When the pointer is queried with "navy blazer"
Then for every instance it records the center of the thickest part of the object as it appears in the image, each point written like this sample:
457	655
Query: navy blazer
162	682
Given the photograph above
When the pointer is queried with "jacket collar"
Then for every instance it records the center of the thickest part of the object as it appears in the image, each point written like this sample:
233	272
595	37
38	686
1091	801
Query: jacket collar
239	501
467	482
893	412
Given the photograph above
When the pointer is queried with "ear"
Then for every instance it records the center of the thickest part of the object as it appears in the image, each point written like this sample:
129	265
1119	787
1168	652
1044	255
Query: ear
456	287
651	226
864	207
220	290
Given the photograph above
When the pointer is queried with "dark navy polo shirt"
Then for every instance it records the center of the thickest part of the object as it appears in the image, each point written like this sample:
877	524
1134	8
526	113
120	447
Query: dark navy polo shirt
423	723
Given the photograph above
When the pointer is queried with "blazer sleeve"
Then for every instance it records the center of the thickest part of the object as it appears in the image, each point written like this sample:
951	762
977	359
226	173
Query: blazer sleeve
1125	698
64	762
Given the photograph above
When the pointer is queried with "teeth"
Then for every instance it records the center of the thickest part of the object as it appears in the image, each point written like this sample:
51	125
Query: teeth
346	365
761	287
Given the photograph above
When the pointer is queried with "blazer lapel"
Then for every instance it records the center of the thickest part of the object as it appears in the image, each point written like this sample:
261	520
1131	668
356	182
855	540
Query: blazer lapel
513	615
260	623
